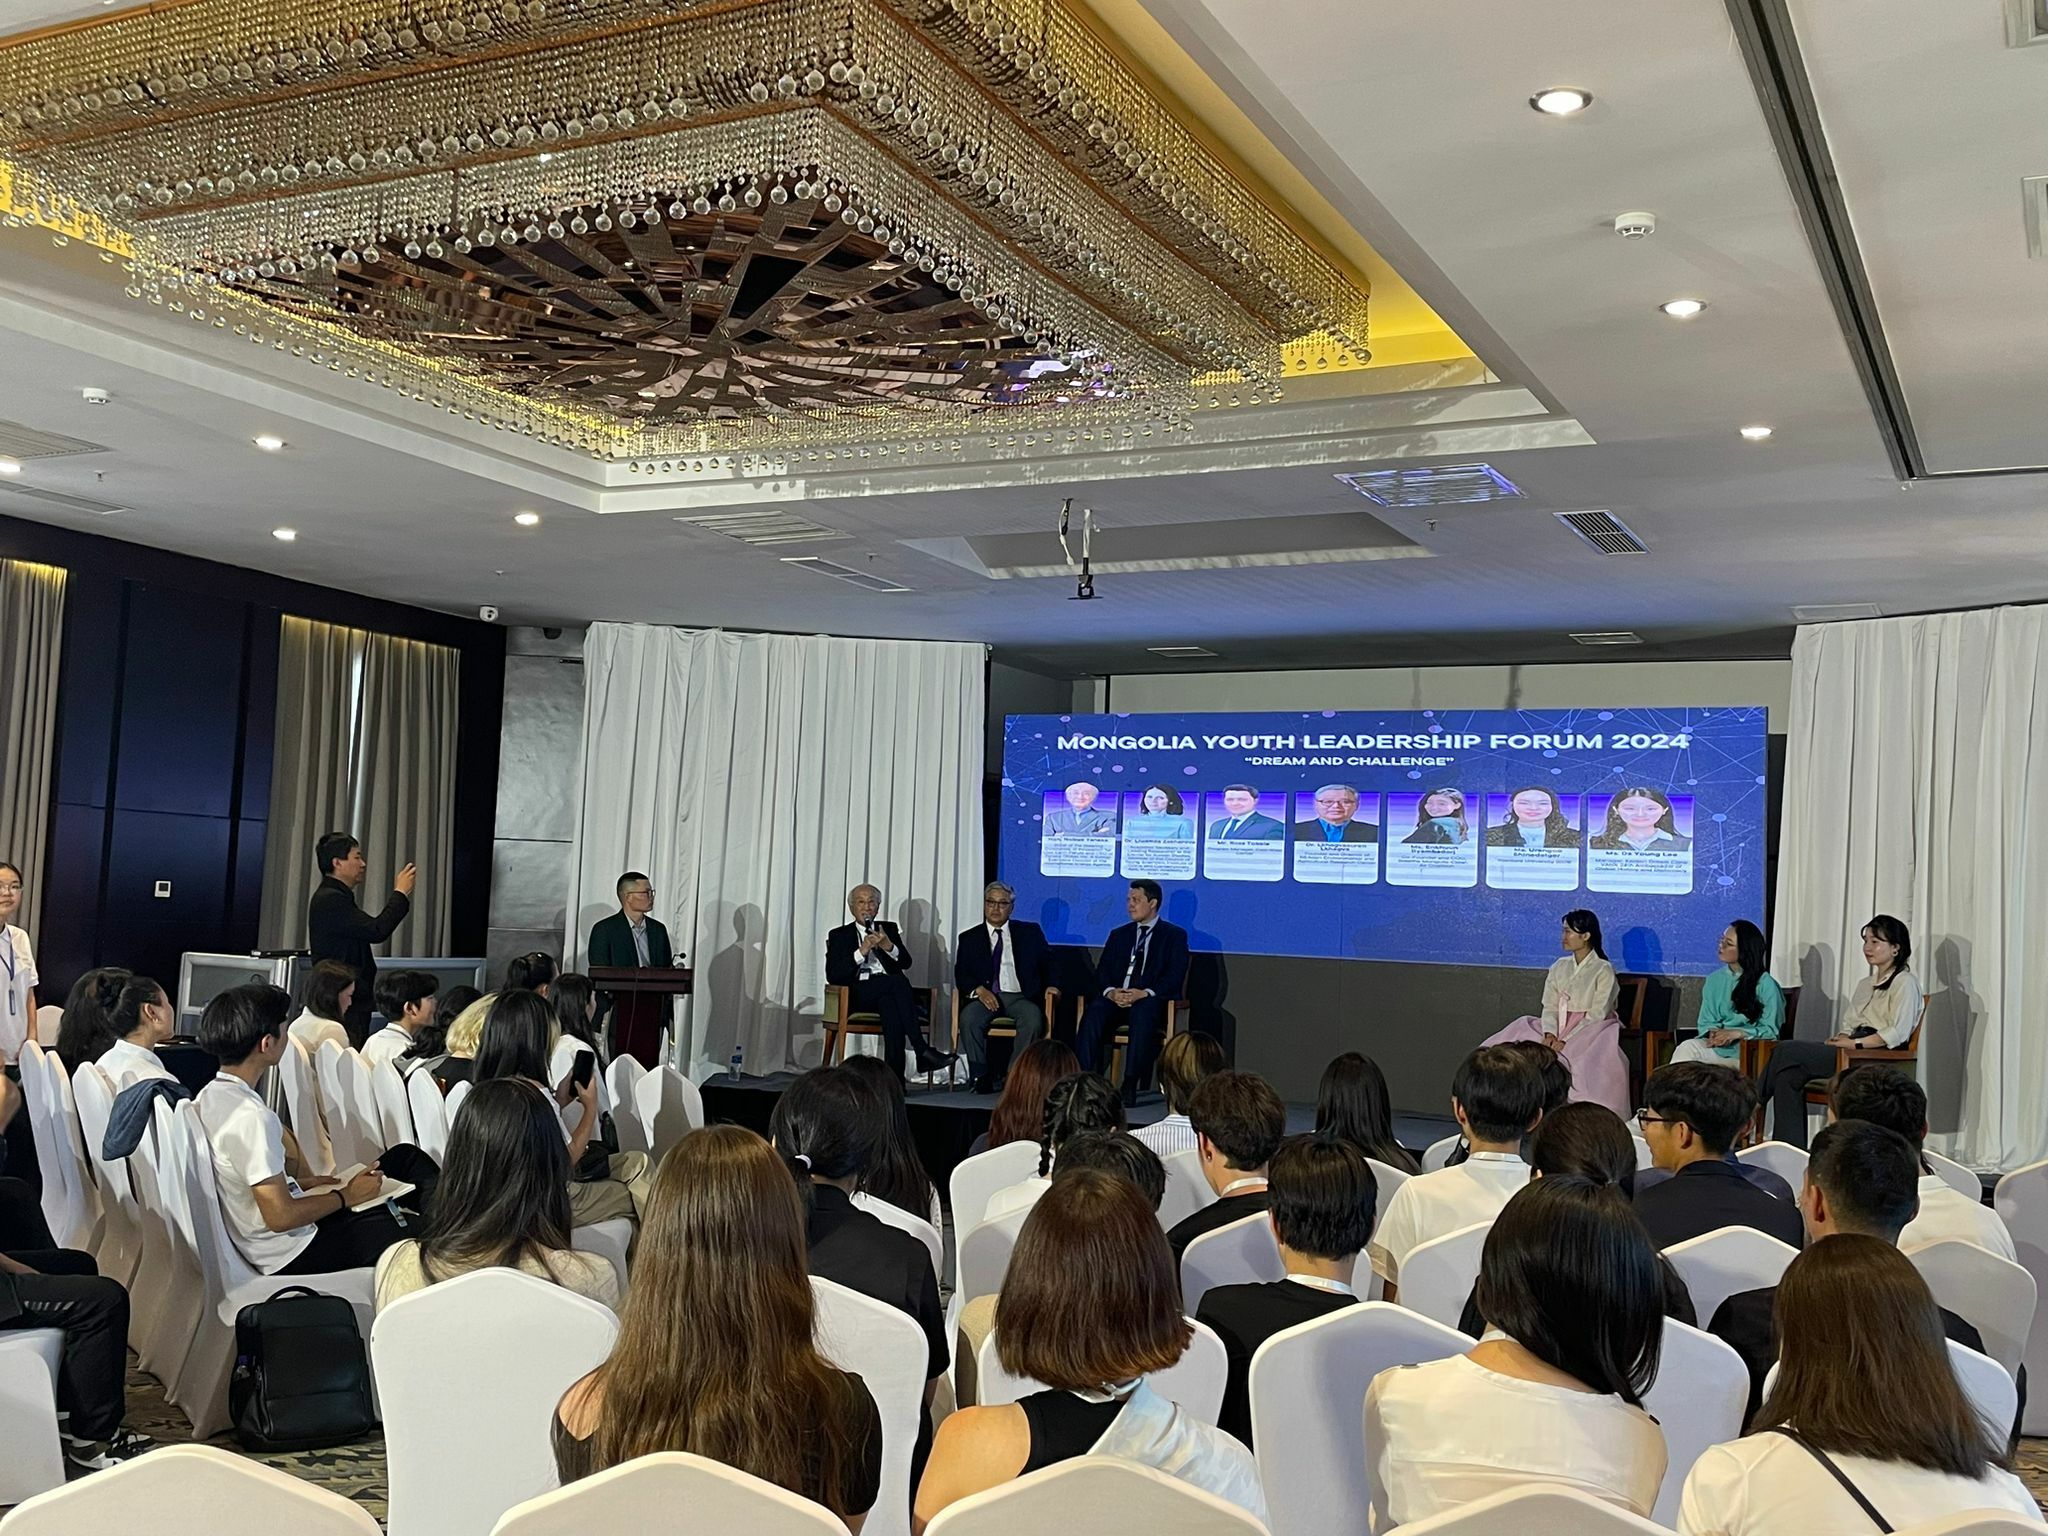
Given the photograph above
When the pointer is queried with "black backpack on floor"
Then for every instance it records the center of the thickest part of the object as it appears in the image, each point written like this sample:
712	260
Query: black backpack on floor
302	1381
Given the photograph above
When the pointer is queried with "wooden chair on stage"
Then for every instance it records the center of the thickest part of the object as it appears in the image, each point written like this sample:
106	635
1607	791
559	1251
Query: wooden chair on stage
1176	1012
1633	993
1002	1026
841	1021
1752	1056
1845	1056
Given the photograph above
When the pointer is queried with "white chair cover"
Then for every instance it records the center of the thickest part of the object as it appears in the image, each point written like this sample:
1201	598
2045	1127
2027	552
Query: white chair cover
1537	1511
646	1495
1963	1180
1388	1181
1782	1158
916	1226
1715	1265
191	1490
1437	1277
1644	1157
2021	1200
49	1019
1195	1381
304	1110
1187	1191
346	1105
1243	1252
120	1250
985	1255
1438	1153
1308	1386
886	1349
620	1079
66	1187
609	1240
469	1372
429	1114
1095	1496
34	1459
168	1278
457	1092
1701	1390
71	1146
1992	1294
980	1176
669	1106
1987	1385
393	1105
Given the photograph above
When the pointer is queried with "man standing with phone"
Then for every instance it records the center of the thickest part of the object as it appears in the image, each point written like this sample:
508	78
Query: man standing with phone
338	929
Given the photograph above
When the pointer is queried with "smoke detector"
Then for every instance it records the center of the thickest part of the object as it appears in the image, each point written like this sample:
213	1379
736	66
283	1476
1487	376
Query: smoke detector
1634	226
95	396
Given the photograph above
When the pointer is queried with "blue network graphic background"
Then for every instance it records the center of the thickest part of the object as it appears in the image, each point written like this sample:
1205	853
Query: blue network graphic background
1722	768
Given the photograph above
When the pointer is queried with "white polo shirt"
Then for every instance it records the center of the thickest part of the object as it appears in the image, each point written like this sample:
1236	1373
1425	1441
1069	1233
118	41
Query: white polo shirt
388	1044
17	981
1431	1205
126	1064
248	1148
1946	1212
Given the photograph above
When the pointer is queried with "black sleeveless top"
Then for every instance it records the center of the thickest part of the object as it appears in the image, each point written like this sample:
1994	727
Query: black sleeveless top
1064	1426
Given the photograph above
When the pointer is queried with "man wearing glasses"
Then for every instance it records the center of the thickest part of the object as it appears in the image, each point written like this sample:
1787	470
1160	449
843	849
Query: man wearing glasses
999	969
630	937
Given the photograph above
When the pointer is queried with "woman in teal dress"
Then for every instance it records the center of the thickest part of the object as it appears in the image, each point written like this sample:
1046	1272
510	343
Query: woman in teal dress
1163	818
1739	1002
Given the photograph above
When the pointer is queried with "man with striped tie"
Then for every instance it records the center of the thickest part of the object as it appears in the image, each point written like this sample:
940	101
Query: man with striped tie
1144	965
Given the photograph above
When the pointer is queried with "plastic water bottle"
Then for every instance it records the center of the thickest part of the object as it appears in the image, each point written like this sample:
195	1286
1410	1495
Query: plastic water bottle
738	1054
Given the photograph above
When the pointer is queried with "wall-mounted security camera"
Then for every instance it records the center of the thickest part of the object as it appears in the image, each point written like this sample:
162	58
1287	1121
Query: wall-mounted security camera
488	614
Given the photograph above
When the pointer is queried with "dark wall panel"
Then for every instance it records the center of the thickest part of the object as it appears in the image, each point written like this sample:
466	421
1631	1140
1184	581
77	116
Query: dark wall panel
70	921
181	703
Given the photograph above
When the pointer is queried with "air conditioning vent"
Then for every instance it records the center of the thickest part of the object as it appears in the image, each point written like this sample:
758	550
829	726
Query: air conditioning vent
1608	637
1605	532
59	499
1835	613
862	579
1179	652
1435	485
25	443
761	528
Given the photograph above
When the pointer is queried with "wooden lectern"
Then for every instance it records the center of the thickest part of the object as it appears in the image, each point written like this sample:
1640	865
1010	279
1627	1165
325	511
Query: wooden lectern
640	997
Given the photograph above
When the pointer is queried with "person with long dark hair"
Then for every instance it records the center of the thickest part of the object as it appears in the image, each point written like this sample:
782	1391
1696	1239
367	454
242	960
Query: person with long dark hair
1640	819
1883	1013
575	1003
1161	817
1020	1112
717	1352
1440	818
1867	1427
1574	1309
87	1029
1578	1020
1534	820
1352	1102
325	1004
1077	1105
143	1019
896	1174
502	1202
1741	1001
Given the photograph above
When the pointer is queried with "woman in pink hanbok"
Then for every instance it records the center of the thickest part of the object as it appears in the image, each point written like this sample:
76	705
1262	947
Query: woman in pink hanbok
1578	1019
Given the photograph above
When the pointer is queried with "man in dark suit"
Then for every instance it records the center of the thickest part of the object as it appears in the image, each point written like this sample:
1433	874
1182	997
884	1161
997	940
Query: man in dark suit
1242	821
1144	965
1335	820
1000	968
631	937
1239	1122
867	957
1320	1199
338	929
1692	1112
1860	1178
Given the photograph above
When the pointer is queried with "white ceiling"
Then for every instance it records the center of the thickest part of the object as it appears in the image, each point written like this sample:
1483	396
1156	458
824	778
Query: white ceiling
1411	118
27	15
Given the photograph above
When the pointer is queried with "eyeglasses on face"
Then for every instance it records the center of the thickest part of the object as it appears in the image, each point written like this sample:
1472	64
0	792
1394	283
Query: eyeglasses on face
1644	1118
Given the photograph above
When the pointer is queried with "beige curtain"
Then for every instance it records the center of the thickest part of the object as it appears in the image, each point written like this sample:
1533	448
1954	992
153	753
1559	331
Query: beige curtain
365	742
31	643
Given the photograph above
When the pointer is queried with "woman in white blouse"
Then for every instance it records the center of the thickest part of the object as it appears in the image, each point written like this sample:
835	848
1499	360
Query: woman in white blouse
17	970
1578	1020
330	988
1574	1309
1866	1427
1882	1015
143	1018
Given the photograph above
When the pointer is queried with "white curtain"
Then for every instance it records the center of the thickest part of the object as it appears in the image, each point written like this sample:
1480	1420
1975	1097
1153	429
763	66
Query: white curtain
1917	759
756	779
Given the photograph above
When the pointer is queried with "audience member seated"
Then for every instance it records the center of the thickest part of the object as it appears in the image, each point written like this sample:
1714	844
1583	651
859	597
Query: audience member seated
1019	1114
87	1028
1239	1122
825	1128
1591	1142
429	1048
1078	1105
59	1288
284	1222
1090	1306
1692	1112
716	1353
1866	1427
502	1202
330	991
1886	1096
406	999
142	1019
1553	1392
1352	1102
1184	1062
519	1039
530	972
575	1002
1321	1197
1496	1096
1860	1179
896	1174
1556	1073
464	1038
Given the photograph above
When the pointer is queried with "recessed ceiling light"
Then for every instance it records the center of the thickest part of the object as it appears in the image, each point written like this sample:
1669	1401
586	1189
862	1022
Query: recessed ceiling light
1756	434
527	519
10	466
1682	309
284	535
270	442
1561	101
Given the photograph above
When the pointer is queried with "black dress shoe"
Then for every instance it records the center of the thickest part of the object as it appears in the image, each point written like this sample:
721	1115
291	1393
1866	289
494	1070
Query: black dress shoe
935	1061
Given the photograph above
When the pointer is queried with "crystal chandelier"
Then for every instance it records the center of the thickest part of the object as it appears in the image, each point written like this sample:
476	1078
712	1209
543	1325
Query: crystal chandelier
645	227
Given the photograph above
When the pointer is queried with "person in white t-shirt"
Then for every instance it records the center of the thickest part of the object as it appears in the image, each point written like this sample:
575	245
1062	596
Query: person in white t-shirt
144	1019
17	970
1573	1301
1888	1097
329	993
1184	1061
1866	1427
281	1224
406	999
1496	1096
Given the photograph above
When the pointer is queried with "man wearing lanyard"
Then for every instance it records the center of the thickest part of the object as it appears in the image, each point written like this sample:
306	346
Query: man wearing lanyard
1144	965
